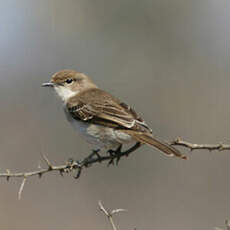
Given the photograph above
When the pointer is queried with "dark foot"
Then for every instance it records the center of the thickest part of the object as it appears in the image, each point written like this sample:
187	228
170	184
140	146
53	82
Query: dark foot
96	153
132	149
114	154
117	154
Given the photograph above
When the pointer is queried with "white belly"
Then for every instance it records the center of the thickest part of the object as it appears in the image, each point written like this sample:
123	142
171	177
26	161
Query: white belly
100	136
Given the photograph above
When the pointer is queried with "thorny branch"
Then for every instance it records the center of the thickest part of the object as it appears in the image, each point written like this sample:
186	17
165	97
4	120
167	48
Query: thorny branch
94	157
191	146
70	165
110	214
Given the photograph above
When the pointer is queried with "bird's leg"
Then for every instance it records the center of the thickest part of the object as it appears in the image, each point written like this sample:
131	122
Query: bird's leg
111	152
86	161
96	153
127	152
117	154
114	154
131	149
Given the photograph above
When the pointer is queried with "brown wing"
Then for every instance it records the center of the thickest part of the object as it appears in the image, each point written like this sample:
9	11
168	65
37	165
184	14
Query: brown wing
99	107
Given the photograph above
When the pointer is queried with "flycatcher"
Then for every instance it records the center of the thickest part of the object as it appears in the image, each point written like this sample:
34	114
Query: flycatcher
101	118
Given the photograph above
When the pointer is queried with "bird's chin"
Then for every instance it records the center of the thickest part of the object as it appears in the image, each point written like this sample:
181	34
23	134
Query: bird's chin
64	93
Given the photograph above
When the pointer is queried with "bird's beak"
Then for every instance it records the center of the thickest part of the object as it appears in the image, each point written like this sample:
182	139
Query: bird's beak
48	84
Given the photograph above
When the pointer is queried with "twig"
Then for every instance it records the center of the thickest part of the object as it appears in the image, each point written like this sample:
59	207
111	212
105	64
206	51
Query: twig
110	214
94	157
25	175
70	166
191	146
21	188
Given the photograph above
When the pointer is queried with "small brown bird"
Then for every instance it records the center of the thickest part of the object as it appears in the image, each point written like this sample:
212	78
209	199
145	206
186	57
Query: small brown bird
101	118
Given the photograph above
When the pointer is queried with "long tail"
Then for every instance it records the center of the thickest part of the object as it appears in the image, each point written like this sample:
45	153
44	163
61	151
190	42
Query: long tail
167	149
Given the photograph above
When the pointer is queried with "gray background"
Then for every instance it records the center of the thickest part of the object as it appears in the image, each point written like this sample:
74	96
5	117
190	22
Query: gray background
172	54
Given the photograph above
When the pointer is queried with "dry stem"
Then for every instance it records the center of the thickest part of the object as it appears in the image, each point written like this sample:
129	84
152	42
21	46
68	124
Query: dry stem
94	157
191	146
110	214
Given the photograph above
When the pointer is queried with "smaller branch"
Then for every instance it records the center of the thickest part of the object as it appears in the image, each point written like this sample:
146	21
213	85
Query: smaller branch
21	188
110	214
47	161
70	166
95	157
191	146
118	210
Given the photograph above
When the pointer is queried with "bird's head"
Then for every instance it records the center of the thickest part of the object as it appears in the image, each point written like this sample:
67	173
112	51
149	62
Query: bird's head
68	83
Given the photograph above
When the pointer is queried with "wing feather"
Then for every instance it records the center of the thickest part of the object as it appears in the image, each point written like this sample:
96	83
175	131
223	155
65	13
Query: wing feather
98	105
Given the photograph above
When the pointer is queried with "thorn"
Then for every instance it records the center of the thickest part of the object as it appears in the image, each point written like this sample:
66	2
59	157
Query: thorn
78	173
39	175
118	210
21	188
110	152
61	172
98	157
111	162
39	165
221	148
47	162
8	177
118	160
103	209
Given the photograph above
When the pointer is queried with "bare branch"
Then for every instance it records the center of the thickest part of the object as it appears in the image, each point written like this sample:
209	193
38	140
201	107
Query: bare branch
70	166
191	146
94	157
21	188
47	161
110	214
118	210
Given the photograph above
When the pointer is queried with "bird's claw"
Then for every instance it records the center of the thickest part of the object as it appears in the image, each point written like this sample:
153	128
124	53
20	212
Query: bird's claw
96	153
115	155
111	162
118	159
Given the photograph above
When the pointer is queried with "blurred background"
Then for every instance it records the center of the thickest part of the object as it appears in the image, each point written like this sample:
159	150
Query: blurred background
175	53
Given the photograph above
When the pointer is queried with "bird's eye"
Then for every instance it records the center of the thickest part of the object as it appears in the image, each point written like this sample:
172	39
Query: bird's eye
69	81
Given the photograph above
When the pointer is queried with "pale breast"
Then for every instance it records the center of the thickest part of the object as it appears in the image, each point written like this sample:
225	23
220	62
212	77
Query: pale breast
99	135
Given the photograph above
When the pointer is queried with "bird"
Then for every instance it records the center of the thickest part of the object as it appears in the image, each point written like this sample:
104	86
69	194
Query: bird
102	119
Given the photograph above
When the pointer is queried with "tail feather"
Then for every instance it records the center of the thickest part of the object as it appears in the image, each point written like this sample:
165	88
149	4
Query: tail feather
169	150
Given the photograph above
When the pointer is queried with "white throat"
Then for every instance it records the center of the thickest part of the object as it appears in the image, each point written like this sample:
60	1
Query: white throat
64	93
